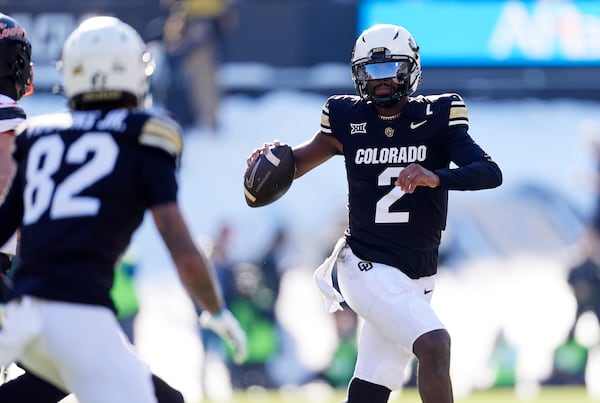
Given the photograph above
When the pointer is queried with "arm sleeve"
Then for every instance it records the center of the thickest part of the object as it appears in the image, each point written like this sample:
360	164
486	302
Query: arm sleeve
159	176
475	168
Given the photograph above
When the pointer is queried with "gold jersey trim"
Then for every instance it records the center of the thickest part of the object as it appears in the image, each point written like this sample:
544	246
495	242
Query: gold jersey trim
163	134
459	114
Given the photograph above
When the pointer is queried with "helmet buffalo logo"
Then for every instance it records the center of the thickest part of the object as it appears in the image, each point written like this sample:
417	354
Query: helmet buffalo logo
99	80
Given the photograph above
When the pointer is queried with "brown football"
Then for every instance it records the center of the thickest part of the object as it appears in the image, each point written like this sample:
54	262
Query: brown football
269	176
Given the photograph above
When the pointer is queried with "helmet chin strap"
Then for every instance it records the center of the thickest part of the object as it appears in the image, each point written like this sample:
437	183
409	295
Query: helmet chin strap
388	100
385	101
391	99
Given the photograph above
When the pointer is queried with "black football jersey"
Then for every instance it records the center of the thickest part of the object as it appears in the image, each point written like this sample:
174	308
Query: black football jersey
385	224
83	183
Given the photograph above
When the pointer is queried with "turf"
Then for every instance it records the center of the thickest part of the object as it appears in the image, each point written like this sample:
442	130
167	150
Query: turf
547	395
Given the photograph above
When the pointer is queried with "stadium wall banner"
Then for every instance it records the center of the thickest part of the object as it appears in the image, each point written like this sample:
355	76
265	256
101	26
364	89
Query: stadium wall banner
286	33
49	23
495	33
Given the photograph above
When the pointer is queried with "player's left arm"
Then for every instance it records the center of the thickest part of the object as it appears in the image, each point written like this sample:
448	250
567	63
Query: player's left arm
475	168
161	150
194	269
198	277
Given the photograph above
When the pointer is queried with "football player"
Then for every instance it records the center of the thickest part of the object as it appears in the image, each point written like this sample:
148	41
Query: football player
16	81
398	151
16	73
84	180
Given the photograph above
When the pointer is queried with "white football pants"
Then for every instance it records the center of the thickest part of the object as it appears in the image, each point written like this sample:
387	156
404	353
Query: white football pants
396	311
77	347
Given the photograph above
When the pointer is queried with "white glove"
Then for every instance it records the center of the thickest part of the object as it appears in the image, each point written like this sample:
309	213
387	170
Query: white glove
228	328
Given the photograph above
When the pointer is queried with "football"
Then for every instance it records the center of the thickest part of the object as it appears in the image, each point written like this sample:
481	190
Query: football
269	176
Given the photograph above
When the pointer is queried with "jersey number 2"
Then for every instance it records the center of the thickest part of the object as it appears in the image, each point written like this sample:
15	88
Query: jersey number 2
383	215
63	199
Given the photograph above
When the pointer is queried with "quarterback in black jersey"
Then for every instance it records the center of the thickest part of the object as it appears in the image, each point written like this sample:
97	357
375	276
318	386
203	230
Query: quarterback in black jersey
84	179
398	151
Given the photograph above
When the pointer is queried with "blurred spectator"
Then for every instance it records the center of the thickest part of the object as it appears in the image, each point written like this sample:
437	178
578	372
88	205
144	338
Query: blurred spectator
221	259
584	276
192	36
503	362
287	366
584	279
216	380
253	305
161	80
569	364
339	372
270	262
124	293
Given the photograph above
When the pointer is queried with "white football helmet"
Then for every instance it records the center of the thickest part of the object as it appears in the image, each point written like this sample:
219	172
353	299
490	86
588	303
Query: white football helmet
105	60
386	51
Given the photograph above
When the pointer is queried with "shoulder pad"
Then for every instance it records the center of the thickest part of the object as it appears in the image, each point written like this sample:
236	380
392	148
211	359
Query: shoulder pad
458	113
337	103
447	96
349	99
164	133
343	101
353	98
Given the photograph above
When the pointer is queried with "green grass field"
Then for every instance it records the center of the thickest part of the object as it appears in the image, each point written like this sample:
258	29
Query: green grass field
548	395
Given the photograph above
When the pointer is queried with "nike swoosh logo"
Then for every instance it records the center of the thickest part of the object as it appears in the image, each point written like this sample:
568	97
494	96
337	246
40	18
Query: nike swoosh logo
414	125
427	291
250	180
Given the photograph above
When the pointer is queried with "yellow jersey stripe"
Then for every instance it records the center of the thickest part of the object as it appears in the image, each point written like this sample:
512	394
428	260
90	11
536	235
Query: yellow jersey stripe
162	134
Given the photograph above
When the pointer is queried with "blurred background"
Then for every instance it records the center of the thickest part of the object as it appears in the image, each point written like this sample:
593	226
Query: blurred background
519	284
